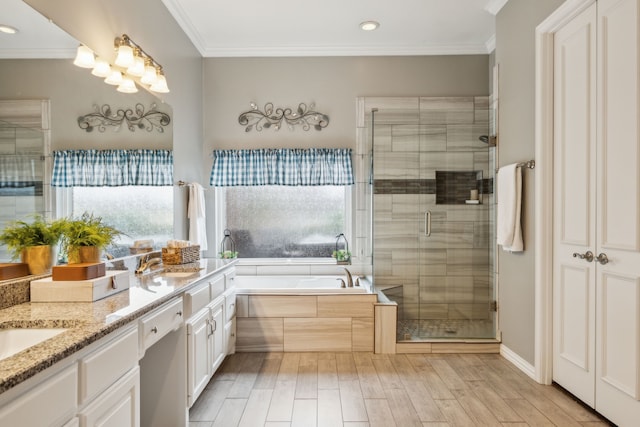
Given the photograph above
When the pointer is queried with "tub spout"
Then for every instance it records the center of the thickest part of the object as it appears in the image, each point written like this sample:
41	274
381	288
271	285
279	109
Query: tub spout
349	278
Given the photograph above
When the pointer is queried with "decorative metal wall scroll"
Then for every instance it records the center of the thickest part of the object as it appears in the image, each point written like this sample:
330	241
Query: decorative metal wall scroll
303	116
134	118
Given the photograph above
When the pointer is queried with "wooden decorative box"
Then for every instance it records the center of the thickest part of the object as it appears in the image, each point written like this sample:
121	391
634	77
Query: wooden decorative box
48	290
82	271
12	270
174	256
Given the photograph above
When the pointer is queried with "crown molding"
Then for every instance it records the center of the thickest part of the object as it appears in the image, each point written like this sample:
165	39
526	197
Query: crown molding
494	6
56	53
282	51
490	44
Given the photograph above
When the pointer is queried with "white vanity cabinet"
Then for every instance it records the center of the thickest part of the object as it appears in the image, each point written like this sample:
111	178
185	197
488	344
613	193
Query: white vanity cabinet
230	312
97	386
207	305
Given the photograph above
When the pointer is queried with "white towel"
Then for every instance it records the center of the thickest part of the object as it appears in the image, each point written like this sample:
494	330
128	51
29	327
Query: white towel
197	216
509	193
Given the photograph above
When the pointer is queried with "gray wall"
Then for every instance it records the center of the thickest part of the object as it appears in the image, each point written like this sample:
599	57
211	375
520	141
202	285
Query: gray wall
73	92
333	83
96	23
515	56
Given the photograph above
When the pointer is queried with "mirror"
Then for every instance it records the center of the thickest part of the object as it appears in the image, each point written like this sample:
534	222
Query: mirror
38	65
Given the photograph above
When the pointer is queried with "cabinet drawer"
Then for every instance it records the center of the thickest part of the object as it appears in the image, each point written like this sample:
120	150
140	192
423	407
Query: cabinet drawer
217	286
105	365
160	322
53	402
196	299
230	279
230	305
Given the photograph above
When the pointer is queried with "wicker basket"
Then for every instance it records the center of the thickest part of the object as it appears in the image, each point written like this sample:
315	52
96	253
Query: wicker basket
175	256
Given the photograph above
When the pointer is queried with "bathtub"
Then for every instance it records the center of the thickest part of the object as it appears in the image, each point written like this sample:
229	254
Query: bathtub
296	285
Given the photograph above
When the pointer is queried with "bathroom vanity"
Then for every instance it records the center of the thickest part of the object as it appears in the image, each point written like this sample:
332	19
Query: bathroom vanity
126	360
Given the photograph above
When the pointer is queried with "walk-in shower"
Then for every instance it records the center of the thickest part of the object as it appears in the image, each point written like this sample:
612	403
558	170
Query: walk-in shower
433	210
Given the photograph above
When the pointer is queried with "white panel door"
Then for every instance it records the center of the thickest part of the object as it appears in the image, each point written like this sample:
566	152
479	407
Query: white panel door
574	206
618	296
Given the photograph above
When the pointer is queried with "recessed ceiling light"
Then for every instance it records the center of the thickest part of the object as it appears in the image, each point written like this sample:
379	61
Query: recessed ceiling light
8	29
369	25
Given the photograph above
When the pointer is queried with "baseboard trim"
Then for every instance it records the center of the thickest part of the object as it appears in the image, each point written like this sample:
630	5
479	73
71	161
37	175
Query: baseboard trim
518	361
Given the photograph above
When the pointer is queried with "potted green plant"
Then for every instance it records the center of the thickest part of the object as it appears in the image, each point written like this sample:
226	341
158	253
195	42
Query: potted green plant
35	242
86	237
342	256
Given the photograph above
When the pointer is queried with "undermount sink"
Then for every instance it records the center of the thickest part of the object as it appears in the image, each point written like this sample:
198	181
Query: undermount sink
15	340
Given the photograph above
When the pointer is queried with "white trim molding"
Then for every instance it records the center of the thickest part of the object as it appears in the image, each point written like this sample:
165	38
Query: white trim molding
518	361
544	185
494	6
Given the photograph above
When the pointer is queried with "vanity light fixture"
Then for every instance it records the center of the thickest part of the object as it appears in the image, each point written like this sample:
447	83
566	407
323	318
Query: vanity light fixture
115	78
127	86
132	65
8	29
369	25
101	68
84	57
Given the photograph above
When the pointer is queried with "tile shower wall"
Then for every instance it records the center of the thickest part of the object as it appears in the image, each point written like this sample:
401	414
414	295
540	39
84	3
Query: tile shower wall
423	147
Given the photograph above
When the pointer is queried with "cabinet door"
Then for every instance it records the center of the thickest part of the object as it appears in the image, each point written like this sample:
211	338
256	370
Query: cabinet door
574	206
217	332
618	281
198	355
51	402
230	336
119	406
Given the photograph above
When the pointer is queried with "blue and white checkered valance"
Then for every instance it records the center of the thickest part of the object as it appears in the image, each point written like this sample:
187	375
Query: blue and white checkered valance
311	166
112	168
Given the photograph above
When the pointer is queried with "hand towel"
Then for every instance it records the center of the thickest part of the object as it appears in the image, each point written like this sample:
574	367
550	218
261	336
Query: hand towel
197	216
509	193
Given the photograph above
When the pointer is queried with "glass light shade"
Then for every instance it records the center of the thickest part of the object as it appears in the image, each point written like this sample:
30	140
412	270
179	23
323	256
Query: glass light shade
115	78
84	57
137	69
150	75
160	86
125	57
101	68
127	86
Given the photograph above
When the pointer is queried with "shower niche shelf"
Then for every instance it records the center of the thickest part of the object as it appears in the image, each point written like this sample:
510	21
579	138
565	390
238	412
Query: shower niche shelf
454	187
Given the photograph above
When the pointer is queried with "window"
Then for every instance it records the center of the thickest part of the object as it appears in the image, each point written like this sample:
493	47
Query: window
140	212
285	222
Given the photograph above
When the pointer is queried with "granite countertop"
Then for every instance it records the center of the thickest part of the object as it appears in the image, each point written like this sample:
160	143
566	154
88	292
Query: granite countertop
88	322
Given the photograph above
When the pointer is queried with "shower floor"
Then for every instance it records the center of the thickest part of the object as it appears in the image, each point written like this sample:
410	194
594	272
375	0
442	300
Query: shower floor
417	330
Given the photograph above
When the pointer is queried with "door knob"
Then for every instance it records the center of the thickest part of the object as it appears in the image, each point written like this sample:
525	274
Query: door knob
587	256
602	258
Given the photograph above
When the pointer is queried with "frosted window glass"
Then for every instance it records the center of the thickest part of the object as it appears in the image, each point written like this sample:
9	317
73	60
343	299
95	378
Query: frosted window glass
285	222
141	212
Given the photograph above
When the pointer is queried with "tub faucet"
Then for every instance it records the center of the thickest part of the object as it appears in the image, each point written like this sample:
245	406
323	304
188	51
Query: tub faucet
349	278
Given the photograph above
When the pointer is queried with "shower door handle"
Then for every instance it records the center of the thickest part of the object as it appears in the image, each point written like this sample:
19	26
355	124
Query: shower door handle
427	223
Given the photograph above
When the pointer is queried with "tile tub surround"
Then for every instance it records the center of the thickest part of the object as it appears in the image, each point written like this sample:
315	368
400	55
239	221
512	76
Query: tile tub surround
425	147
88	322
300	323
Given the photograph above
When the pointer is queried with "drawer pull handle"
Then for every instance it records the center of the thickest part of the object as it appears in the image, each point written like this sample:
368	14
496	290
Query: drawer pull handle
179	313
154	329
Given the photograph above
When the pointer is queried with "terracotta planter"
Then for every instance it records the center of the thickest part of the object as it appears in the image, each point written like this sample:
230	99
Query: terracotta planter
82	254
40	259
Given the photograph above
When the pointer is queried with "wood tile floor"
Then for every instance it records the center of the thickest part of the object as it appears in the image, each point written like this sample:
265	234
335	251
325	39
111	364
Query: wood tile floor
365	389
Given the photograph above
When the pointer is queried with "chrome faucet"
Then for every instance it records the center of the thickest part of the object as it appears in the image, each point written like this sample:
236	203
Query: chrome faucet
349	278
146	261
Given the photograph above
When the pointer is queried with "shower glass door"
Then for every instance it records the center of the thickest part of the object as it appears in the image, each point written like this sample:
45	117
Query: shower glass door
432	209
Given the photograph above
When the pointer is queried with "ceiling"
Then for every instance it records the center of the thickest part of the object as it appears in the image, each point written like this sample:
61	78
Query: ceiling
291	28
